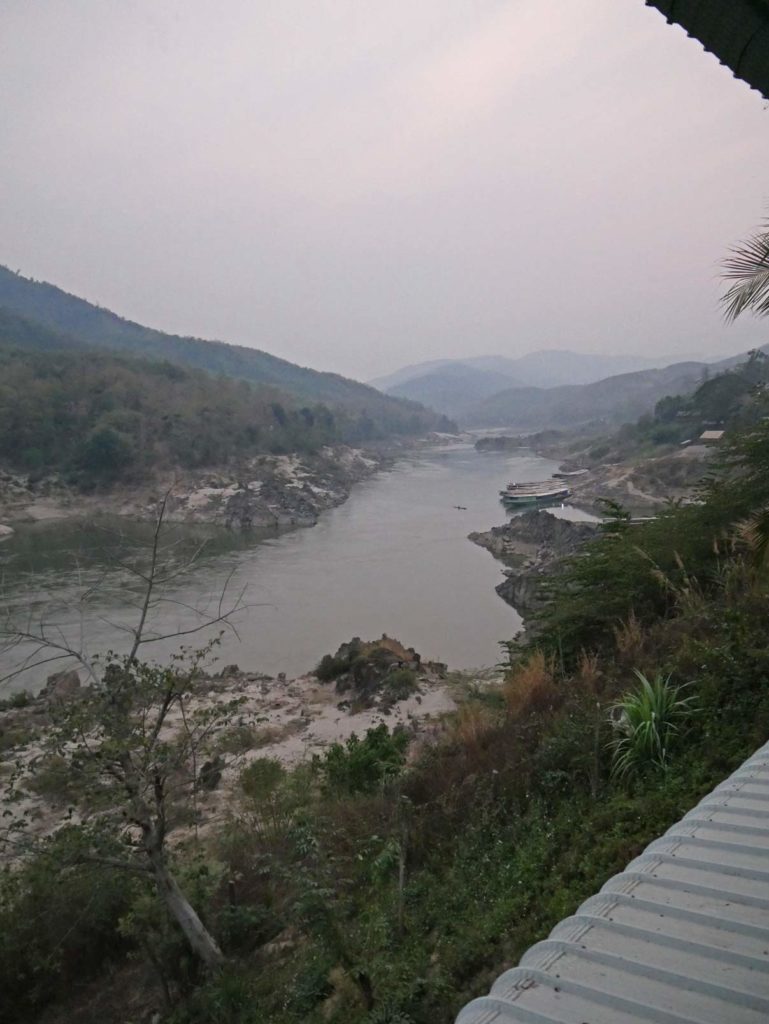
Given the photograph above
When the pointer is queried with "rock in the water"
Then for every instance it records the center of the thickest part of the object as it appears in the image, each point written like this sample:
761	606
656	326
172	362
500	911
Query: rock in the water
5	532
61	686
537	534
532	544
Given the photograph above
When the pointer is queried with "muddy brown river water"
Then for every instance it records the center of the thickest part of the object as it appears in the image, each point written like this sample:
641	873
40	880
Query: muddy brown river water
394	558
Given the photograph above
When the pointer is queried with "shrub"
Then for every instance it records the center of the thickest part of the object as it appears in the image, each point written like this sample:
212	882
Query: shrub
530	686
648	720
330	668
107	453
262	777
361	765
54	781
237	740
21	699
471	722
58	924
399	685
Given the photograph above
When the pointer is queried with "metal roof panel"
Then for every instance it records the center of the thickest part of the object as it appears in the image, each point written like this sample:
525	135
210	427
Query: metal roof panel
680	937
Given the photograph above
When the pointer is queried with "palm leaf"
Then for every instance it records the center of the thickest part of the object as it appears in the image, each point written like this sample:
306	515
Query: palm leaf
748	267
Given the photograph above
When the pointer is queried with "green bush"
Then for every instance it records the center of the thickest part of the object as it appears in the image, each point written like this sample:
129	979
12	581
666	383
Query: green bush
238	739
330	668
360	766
107	453
58	925
20	699
399	685
262	777
648	721
54	781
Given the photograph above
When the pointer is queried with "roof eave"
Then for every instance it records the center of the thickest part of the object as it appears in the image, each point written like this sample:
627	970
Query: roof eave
736	32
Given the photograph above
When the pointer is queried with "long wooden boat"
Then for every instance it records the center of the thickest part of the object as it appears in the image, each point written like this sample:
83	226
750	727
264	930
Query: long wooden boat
541	491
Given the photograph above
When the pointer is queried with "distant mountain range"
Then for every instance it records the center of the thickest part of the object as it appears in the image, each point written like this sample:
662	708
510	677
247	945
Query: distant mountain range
618	399
547	368
38	316
547	388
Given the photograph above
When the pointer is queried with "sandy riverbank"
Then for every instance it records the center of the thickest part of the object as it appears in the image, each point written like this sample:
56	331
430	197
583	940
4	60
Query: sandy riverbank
290	720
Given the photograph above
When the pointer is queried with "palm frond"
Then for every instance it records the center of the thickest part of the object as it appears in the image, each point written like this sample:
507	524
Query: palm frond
754	533
748	267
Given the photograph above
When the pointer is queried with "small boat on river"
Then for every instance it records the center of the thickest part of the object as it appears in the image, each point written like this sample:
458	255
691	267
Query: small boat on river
538	492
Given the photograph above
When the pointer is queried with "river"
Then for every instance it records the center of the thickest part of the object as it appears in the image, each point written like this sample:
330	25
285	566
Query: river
394	558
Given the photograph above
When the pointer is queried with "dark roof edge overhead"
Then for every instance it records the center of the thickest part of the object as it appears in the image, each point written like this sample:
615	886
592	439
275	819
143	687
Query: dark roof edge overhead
734	31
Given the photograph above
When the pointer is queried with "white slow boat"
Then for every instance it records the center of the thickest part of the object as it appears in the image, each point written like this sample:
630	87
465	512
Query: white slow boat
541	491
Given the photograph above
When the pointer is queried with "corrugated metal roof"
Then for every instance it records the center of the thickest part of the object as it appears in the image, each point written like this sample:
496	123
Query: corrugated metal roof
735	31
680	937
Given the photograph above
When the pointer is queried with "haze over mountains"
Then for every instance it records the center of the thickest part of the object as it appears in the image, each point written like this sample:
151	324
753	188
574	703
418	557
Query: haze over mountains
547	388
545	368
37	316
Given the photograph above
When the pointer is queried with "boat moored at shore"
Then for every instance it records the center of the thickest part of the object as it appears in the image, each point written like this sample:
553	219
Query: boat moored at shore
538	492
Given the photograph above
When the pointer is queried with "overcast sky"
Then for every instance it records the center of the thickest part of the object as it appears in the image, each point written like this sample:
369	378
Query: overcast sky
359	184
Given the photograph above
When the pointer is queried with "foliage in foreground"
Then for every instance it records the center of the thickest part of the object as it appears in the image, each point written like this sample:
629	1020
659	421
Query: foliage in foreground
648	719
398	899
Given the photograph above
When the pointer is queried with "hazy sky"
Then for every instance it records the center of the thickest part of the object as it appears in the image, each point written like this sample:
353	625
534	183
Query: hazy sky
359	184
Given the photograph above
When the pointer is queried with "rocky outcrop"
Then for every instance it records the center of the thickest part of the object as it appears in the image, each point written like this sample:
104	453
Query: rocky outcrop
536	535
262	492
274	490
377	673
531	546
506	443
499	443
61	687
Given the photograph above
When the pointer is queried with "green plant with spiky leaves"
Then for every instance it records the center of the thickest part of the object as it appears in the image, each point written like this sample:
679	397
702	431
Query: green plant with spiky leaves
648	720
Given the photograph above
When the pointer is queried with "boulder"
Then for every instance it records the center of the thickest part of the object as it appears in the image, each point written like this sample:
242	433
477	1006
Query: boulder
61	686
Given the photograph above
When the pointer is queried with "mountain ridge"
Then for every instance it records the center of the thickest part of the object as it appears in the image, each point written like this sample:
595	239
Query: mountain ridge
81	323
541	368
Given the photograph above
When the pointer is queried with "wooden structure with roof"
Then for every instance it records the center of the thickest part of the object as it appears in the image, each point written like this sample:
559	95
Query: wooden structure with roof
734	31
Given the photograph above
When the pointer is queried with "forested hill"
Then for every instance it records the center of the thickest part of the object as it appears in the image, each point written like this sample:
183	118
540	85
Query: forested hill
19	332
87	323
97	418
614	400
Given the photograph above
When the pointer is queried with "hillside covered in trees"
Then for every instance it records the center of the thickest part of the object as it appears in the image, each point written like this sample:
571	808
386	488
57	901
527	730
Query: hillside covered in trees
734	399
100	407
40	316
97	417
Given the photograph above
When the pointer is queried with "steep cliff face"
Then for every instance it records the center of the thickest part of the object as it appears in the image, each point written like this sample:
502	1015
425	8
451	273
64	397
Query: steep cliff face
531	546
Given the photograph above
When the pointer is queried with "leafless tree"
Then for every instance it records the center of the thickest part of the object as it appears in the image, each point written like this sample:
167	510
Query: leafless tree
131	742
